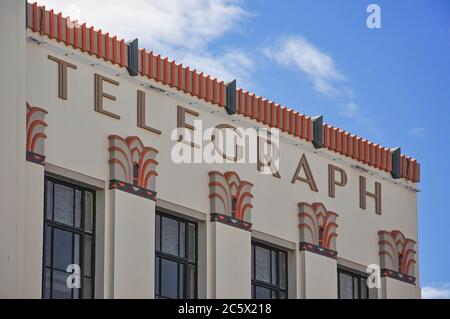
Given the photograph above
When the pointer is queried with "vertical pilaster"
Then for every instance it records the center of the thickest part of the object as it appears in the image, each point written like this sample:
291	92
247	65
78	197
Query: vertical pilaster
134	245
231	261
12	145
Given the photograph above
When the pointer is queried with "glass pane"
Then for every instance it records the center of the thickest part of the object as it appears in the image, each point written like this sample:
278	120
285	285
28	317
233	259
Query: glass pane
282	270
355	288
262	293
169	236
47	281
274	294
158	233
169	279
192	243
49	200
363	288
60	289
88	211
345	286
87	288
48	246
87	255
62	249
253	261
181	281
282	295
157	274
274	268
262	264
373	293
63	204
182	239
190	282
78	202
77	250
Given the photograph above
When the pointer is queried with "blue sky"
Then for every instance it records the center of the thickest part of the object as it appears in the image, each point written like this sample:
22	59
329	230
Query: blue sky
390	85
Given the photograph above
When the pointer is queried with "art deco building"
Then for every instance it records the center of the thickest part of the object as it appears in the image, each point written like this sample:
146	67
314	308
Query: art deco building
95	204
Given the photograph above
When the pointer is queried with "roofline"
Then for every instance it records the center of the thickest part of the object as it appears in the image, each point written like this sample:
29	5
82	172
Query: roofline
224	95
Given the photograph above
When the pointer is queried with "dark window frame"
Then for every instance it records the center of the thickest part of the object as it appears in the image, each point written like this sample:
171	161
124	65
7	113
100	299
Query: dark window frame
359	276
258	283
80	231
177	259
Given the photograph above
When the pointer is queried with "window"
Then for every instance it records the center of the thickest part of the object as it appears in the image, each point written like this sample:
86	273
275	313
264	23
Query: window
176	258
269	272
352	285
69	241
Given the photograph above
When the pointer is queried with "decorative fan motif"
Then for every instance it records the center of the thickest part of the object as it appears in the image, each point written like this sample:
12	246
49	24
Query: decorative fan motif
36	125
318	228
229	196
397	255
132	163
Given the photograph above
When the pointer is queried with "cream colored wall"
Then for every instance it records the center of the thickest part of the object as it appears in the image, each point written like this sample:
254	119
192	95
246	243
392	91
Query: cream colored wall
231	261
318	279
34	231
395	289
12	144
134	246
78	141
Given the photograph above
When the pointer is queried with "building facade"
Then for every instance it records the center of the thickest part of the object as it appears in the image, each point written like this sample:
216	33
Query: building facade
98	204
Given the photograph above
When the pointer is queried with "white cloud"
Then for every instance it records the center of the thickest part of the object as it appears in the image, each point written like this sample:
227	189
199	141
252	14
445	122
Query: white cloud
351	110
297	52
181	29
438	291
418	132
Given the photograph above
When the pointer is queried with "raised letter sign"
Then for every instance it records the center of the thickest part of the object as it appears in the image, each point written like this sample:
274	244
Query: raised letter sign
141	113
363	193
332	179
62	76
308	179
182	125
99	95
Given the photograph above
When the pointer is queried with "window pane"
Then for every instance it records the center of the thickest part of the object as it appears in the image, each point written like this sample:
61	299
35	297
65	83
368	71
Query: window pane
158	232
60	289
262	293
363	288
87	288
47	281
282	270
78	202
77	250
192	243
274	268
253	261
182	239
87	255
62	249
373	293
355	288
49	200
169	279
88	211
169	236
262	264
181	281
157	274
190	282
345	286
63	204
48	246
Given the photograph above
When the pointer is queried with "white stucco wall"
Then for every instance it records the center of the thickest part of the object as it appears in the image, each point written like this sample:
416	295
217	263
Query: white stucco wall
78	141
